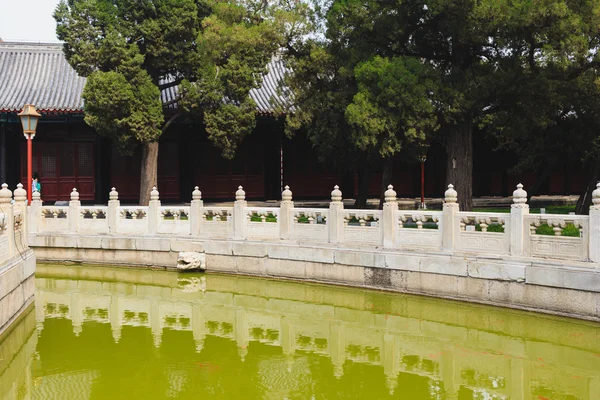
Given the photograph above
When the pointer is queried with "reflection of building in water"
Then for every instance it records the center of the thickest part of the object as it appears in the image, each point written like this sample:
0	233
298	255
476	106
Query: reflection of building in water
451	358
17	349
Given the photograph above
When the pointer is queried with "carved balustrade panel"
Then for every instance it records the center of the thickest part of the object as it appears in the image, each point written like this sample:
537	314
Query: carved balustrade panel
93	219
132	219
559	236
310	224
362	226
418	229
217	222
4	243
55	219
262	222
482	232
174	220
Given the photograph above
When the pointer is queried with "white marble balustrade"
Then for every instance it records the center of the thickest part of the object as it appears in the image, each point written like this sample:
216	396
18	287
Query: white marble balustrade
517	233
13	223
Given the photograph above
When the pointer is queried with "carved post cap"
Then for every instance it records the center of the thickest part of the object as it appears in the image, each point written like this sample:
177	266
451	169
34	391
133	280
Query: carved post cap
390	194
113	195
286	195
596	195
154	194
196	194
240	195
450	195
336	194
20	193
5	194
36	196
74	195
519	195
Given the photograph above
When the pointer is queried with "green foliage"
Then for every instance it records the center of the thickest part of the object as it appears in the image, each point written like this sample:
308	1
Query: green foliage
496	228
393	103
215	51
386	73
544	229
569	230
257	218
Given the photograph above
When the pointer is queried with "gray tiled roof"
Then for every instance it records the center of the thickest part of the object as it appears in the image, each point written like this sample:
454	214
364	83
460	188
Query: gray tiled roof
39	74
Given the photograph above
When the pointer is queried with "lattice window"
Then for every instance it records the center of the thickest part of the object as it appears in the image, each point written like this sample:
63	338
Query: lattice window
67	160
48	162
85	158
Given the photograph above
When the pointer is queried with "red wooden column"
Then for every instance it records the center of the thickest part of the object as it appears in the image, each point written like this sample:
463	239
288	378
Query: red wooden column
29	168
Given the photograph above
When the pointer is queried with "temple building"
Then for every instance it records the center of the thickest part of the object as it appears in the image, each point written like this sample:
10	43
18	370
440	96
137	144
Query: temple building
67	153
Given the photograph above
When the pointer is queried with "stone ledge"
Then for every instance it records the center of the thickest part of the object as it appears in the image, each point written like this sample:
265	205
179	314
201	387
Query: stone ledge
518	282
587	280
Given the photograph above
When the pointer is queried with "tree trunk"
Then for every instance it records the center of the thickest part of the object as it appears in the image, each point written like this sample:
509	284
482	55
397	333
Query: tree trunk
364	178
386	179
585	199
459	170
148	177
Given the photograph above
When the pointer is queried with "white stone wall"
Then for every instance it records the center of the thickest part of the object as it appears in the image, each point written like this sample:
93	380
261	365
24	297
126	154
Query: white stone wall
17	262
444	253
458	232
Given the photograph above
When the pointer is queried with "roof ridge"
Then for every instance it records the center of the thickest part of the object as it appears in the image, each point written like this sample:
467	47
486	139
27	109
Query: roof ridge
30	46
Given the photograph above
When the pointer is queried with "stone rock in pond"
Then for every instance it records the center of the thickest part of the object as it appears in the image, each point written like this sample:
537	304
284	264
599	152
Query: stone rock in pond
190	261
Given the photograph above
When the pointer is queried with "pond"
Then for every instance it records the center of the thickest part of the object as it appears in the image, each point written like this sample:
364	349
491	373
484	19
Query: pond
118	333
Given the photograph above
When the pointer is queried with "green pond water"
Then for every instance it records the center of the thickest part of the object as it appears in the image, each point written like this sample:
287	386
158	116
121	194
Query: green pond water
108	333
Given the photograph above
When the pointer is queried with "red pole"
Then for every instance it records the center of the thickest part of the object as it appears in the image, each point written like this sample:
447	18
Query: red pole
29	167
422	184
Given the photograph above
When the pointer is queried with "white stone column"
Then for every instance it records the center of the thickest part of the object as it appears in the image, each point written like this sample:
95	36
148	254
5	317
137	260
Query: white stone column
74	210
337	347
336	218
286	219
239	214
389	360
34	220
113	211
595	226
114	317
518	229
389	217
241	332
153	212
20	196
198	326
196	212
449	226
8	225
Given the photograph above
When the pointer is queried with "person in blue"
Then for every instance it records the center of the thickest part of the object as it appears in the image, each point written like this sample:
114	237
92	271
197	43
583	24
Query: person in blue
36	186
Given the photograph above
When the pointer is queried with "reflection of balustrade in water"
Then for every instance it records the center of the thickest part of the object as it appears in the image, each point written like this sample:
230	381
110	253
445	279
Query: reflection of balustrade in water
420	338
517	233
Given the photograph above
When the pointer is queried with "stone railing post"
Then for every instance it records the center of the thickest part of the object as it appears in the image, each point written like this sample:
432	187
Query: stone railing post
286	208
8	224
20	196
336	216
595	226
239	214
389	217
35	213
74	210
196	212
449	211
518	230
113	210
153	212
